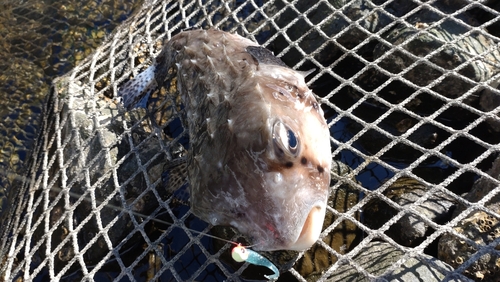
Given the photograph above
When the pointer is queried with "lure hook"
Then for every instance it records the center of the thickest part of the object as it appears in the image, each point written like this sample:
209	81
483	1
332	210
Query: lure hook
241	254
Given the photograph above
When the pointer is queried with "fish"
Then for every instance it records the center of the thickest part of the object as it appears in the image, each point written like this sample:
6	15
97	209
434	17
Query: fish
259	154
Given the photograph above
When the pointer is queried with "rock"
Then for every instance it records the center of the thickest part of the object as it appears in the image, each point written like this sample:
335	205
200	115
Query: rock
90	141
489	101
409	230
337	24
454	64
377	257
456	52
398	123
483	186
481	228
429	39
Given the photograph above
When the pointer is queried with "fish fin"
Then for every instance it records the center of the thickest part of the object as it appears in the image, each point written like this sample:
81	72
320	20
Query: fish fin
265	56
135	92
175	181
306	73
194	27
175	174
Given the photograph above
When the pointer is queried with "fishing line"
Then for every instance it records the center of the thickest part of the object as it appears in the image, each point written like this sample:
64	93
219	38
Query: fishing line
239	253
89	200
77	196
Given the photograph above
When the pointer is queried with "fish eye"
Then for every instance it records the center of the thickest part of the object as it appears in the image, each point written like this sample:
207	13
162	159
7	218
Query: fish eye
286	141
292	140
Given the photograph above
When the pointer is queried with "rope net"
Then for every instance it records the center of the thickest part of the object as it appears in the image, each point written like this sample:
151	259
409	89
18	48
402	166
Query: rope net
409	90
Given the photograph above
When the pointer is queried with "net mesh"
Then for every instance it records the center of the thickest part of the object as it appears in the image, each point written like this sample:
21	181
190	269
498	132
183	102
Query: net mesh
409	90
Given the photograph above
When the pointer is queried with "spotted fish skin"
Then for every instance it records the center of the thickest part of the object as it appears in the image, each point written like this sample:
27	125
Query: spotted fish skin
259	157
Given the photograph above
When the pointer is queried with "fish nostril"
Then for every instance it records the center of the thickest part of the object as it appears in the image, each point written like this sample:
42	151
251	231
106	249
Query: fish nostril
320	169
303	160
239	215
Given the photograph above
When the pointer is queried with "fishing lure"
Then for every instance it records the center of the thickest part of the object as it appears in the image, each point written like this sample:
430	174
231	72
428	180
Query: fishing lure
241	254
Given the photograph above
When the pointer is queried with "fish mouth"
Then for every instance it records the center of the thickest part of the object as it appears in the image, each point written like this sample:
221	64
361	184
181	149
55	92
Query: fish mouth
311	229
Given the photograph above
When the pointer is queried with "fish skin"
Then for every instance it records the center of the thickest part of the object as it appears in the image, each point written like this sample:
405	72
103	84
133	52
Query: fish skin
259	157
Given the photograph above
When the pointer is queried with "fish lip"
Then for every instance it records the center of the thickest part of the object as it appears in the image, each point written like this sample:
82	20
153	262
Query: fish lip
311	228
312	225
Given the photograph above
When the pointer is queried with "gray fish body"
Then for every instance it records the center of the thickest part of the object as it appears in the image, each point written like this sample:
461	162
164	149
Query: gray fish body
259	157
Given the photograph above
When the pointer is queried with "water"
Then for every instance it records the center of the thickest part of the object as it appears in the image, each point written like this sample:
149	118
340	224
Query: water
40	40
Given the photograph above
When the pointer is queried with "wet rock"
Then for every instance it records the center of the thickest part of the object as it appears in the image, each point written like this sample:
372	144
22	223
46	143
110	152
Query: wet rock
91	158
336	24
489	101
481	228
428	39
377	257
484	185
473	57
397	124
488	15
411	229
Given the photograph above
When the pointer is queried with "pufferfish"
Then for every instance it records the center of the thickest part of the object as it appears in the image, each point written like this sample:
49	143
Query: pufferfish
259	155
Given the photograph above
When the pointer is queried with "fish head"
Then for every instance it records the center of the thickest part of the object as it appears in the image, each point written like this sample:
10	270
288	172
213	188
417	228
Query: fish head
273	185
292	174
